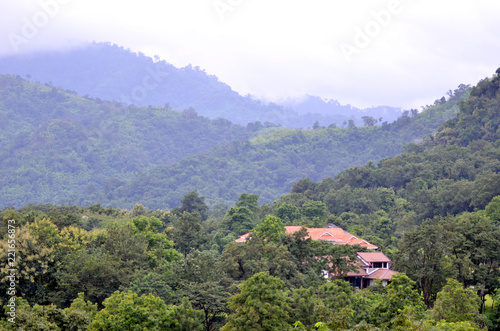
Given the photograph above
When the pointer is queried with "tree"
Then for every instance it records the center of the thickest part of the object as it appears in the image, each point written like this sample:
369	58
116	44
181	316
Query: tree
92	271
122	243
80	314
493	210
152	282
456	304
288	213
193	203
303	307
240	261
201	281
456	326
473	243
138	210
187	233
334	304
36	318
38	250
400	295
302	249
250	201
239	220
271	229
368	121
186	318
316	212
128	311
423	257
336	259
262	304
159	247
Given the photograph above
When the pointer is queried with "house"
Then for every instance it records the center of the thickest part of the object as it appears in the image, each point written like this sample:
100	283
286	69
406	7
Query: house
370	267
333	234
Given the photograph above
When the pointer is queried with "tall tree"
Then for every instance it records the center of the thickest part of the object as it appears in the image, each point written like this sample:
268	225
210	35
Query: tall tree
250	201
455	303
200	279
239	220
262	304
271	229
187	233
193	203
423	251
400	295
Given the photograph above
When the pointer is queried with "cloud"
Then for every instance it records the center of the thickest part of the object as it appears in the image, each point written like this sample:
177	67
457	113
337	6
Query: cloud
278	49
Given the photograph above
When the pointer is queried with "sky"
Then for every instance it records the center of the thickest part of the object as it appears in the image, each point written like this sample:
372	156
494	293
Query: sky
400	53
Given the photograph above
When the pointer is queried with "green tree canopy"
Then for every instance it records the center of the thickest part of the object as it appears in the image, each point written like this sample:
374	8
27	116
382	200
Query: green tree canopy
456	304
262	304
271	229
128	311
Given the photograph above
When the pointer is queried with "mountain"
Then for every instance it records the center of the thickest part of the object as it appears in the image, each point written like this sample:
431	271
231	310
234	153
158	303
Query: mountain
62	148
110	72
269	165
56	145
454	170
314	108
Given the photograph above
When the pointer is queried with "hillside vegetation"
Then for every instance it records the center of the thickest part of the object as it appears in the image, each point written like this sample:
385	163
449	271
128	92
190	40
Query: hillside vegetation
434	210
268	165
62	148
58	147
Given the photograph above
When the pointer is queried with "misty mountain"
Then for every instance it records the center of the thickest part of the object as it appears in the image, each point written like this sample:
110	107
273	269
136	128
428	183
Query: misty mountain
314	108
110	72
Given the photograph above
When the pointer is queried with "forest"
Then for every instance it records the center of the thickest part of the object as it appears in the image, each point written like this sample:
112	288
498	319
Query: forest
67	149
434	210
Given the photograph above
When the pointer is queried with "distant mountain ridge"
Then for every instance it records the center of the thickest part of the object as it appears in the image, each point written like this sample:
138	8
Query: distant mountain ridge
110	72
323	110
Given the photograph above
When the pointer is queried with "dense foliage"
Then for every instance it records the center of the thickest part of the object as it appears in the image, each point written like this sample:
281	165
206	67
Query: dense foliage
68	149
105	269
269	164
435	211
59	147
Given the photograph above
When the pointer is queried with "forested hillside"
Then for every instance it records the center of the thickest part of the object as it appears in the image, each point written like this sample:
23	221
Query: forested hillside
110	72
451	171
434	210
57	146
61	148
269	164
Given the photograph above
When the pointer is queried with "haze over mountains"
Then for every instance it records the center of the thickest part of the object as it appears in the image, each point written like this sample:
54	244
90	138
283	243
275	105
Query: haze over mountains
110	72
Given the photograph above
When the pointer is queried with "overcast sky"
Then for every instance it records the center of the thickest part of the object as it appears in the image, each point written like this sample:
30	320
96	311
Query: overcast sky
402	53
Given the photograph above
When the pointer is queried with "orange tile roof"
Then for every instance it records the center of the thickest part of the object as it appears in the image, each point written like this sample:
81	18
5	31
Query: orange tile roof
334	235
374	257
